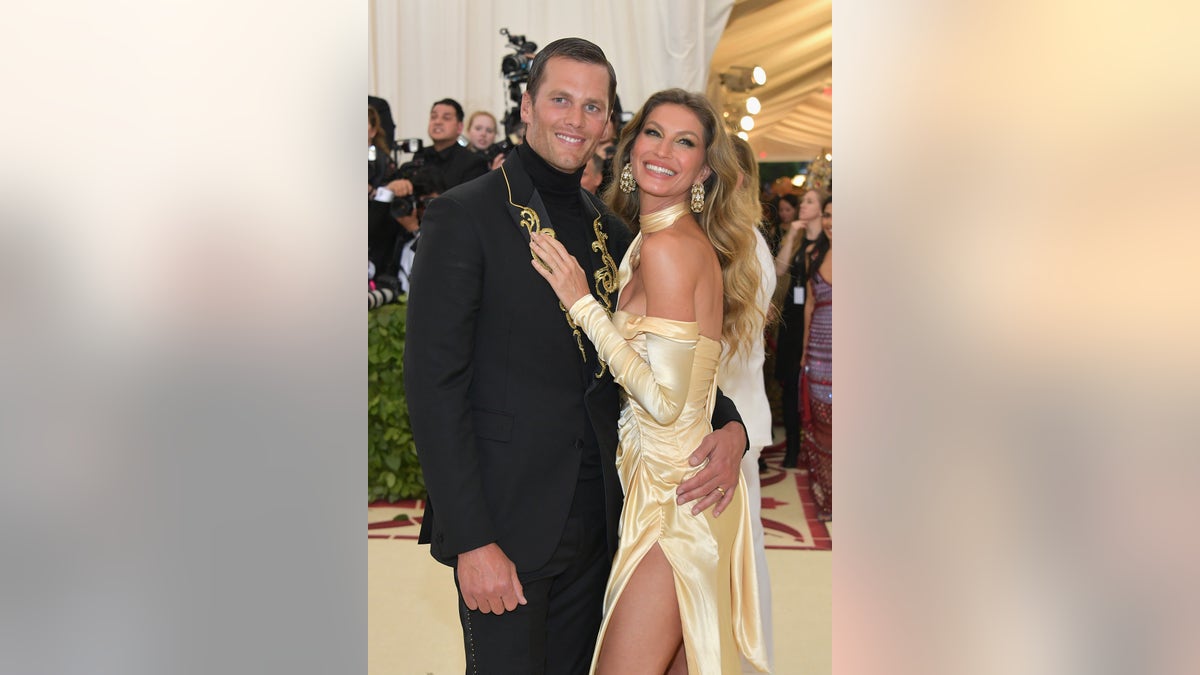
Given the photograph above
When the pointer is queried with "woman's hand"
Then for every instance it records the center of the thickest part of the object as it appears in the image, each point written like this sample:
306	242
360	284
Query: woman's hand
559	268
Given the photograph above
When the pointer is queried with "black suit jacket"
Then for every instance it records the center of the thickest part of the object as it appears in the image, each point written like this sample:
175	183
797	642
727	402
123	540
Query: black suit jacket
493	377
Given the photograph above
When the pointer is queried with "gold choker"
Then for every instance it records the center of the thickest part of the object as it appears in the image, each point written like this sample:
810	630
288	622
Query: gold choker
662	218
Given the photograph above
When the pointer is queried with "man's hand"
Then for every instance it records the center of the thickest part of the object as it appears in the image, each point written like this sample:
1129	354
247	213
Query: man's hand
401	187
488	580
716	482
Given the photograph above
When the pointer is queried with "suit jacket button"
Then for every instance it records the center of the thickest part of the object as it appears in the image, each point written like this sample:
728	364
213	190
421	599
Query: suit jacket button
579	442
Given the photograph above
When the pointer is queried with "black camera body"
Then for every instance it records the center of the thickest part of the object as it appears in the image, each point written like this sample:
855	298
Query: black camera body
514	68
500	147
425	180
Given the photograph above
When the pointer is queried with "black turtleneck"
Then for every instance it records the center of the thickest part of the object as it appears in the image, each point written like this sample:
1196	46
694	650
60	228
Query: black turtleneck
560	193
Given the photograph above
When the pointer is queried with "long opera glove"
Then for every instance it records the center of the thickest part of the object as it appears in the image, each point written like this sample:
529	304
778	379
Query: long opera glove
658	383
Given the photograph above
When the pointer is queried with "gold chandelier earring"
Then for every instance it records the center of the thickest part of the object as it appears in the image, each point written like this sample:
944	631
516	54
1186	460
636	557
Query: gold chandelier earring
697	197
627	185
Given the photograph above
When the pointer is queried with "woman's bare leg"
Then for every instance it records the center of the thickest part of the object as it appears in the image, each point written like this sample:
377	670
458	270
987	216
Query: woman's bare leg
644	632
679	664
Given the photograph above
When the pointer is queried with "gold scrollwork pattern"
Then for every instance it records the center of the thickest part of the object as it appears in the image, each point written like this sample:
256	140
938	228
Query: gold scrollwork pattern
532	223
605	278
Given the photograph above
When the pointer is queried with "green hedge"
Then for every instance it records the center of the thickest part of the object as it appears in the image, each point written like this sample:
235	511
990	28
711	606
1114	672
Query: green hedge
393	470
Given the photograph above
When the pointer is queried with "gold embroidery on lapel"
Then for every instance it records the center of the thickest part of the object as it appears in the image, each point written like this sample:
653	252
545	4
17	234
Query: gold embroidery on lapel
529	218
605	277
532	223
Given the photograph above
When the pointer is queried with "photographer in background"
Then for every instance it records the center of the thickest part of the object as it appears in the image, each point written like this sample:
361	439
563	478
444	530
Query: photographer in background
385	117
456	163
397	226
382	176
428	185
380	166
386	183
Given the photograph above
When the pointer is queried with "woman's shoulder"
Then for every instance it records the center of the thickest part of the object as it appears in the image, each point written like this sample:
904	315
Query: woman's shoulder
679	235
675	248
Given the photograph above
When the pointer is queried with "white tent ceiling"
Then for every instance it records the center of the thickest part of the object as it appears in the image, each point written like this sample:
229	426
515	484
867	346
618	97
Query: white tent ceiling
793	41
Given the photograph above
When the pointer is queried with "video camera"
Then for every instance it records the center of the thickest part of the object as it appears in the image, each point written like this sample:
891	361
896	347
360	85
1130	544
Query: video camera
514	68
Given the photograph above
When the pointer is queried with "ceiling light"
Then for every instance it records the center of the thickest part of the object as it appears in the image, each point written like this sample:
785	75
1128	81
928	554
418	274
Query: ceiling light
747	123
743	135
743	78
753	106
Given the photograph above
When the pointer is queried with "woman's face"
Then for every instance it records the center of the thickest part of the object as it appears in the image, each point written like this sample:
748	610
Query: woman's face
810	206
827	220
668	154
370	133
787	212
482	132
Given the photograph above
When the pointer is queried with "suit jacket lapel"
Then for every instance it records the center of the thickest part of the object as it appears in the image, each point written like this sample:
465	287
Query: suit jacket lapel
525	205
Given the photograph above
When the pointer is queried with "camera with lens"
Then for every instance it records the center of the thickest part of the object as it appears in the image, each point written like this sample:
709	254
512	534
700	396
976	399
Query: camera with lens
500	147
514	68
426	181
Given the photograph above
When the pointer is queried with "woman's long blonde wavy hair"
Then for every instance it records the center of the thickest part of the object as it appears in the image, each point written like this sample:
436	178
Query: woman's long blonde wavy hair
728	218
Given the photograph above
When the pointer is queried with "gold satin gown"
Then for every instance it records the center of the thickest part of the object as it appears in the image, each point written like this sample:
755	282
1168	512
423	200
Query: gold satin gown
668	371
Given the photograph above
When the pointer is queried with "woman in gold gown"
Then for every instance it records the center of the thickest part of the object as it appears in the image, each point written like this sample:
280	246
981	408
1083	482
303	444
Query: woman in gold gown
682	595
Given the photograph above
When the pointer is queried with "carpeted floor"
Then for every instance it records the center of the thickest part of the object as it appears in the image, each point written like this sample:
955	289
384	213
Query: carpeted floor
413	625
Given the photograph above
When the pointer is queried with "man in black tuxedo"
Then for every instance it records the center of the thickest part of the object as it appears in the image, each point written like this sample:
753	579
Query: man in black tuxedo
514	417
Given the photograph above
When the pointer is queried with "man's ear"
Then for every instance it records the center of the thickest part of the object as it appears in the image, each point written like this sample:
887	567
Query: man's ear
526	107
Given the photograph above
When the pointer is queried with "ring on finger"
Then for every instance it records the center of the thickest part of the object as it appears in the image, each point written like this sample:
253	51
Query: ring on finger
721	490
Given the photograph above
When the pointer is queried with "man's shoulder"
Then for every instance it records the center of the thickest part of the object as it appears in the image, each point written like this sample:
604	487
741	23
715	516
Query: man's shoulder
468	204
488	186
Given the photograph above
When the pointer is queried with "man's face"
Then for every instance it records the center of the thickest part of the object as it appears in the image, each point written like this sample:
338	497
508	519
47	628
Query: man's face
444	127
567	119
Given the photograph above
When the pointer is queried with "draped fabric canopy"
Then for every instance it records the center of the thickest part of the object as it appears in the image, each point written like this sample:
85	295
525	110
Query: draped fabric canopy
420	51
793	41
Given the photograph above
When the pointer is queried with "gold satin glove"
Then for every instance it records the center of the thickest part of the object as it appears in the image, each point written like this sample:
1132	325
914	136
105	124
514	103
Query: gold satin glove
660	386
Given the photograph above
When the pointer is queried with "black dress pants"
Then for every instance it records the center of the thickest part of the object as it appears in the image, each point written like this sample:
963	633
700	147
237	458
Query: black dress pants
555	633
